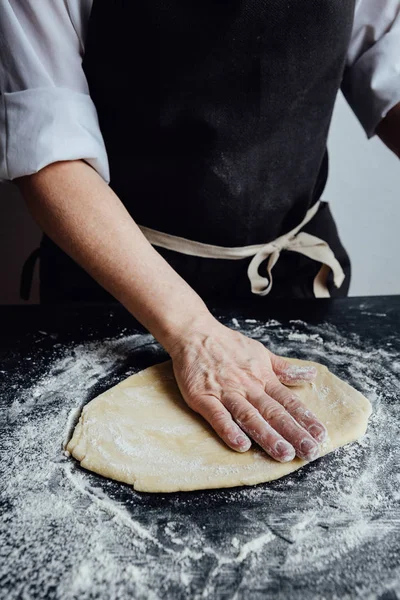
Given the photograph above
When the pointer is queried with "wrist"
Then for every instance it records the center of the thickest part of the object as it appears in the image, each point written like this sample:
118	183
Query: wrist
175	336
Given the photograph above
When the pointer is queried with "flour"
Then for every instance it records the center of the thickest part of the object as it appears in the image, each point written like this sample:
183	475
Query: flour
303	337
68	534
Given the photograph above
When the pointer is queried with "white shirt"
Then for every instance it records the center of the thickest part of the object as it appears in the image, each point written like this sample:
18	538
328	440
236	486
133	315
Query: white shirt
47	115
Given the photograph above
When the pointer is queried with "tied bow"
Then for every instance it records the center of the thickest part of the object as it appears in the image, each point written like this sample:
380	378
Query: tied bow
303	243
295	241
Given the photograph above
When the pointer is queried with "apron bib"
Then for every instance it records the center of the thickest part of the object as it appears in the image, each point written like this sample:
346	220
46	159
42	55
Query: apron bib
215	117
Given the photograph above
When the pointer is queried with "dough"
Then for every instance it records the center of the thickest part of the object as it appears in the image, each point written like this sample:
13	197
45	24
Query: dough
141	432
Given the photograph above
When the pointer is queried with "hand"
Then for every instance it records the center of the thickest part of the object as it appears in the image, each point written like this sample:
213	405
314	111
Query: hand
236	384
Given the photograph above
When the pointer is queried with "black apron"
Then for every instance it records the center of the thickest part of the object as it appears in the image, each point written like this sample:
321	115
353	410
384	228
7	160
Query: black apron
215	117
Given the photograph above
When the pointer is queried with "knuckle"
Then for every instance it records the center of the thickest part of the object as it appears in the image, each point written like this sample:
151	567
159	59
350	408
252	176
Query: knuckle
247	416
272	383
217	416
194	402
277	360
292	404
221	422
282	364
273	412
198	403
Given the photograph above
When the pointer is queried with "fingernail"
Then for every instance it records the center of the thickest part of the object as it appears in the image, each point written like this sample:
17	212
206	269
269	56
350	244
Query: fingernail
319	433
308	450
285	451
243	443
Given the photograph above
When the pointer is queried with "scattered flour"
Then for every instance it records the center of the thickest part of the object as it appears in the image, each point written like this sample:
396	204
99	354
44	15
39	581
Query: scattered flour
330	530
305	338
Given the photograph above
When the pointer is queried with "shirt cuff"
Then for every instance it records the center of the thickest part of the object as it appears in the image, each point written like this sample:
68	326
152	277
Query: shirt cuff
44	125
372	84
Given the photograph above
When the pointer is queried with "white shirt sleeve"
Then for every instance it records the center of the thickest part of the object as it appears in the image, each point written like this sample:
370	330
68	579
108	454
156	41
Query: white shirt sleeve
46	113
371	82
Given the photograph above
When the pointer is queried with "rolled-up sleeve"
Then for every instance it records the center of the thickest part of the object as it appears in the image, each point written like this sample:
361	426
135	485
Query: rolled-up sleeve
46	113
371	81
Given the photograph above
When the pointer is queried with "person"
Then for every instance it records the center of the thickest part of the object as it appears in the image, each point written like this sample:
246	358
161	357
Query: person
176	152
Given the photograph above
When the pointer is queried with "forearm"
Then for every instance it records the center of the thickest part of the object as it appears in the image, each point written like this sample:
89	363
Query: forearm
85	218
389	130
76	208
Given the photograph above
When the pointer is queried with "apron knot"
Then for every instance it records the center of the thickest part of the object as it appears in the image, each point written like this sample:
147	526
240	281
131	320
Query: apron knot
303	243
294	241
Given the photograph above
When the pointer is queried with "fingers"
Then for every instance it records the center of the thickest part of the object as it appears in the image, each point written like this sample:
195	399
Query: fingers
291	374
213	411
252	422
268	421
273	417
302	415
282	421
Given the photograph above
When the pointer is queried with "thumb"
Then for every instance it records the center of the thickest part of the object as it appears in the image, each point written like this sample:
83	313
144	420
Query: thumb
292	374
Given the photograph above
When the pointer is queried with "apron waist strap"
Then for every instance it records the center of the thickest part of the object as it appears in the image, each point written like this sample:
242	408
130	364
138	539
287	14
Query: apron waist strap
295	241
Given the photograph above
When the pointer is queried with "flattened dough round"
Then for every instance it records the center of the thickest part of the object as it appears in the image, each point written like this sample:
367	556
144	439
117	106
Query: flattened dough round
141	432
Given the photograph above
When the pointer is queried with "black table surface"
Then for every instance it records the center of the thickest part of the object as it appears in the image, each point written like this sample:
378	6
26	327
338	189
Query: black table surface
224	550
73	322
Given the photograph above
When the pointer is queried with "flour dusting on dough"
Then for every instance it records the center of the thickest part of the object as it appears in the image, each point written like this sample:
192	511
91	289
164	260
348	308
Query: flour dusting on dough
133	441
